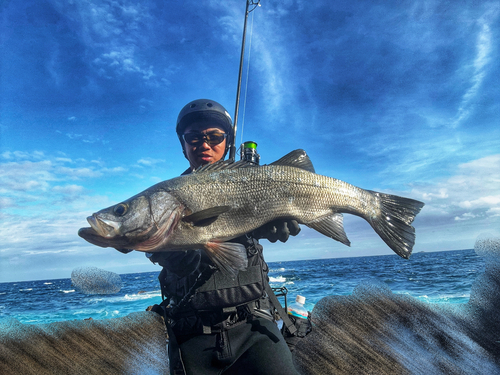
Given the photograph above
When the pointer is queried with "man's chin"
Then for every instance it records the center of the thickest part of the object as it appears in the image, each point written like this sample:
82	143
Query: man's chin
205	160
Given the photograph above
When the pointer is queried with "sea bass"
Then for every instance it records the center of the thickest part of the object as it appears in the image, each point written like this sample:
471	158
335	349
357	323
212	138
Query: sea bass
224	200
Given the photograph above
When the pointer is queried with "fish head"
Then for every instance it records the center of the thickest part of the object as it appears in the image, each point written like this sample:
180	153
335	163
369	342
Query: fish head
143	222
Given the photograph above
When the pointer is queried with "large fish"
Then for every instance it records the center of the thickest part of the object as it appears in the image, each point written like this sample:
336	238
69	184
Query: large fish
224	200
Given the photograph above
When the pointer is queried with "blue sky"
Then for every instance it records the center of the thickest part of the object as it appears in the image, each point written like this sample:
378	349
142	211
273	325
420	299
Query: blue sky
398	97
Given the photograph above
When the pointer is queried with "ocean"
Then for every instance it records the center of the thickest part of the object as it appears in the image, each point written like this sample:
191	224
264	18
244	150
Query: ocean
436	277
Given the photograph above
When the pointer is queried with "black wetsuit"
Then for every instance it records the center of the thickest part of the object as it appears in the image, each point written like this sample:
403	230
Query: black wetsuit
218	325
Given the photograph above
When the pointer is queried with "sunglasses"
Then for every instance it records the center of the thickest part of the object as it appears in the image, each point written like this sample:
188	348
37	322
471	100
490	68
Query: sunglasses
212	138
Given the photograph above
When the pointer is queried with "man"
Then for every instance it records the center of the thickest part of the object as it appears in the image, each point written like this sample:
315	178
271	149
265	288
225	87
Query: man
216	324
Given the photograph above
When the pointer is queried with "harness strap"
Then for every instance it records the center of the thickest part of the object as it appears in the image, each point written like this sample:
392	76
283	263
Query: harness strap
277	305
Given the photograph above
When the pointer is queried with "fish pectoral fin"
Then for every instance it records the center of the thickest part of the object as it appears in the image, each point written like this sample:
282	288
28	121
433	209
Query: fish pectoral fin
331	226
297	159
228	257
206	217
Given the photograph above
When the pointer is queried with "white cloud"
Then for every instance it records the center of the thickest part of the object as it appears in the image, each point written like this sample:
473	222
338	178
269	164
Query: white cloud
36	155
494	212
68	189
25	175
74	136
473	193
85	138
482	202
41	184
480	165
123	60
148	162
77	173
114	170
466	216
114	32
442	193
6	202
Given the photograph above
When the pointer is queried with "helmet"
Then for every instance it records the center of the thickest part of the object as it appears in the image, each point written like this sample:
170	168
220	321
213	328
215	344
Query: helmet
204	110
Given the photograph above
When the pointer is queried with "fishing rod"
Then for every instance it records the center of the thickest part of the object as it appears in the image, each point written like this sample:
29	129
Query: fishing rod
250	6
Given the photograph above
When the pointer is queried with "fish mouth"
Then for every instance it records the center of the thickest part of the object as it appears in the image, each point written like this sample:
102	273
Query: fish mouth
93	237
104	228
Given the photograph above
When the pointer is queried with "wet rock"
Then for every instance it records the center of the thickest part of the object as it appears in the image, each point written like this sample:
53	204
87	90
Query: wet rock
134	344
374	331
92	280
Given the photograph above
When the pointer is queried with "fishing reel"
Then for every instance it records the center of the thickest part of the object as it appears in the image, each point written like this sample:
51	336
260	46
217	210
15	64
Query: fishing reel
248	152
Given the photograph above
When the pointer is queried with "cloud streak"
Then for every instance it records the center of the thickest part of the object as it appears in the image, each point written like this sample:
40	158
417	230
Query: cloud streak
479	66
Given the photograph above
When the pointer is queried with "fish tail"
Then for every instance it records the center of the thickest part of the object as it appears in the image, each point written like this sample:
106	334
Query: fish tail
393	224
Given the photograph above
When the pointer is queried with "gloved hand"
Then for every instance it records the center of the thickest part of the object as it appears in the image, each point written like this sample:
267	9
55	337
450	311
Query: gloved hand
277	230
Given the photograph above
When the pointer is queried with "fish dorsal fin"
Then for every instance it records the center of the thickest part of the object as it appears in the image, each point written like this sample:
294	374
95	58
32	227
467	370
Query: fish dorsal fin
223	165
298	159
206	217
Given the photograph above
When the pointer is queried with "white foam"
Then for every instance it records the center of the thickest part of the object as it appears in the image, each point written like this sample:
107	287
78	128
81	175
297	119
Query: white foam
282	269
279	279
136	297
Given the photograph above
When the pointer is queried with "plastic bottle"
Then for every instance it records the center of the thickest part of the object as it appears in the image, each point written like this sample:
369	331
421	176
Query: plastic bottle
297	308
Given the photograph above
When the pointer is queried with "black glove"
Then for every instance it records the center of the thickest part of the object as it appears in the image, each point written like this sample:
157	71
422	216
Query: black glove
277	230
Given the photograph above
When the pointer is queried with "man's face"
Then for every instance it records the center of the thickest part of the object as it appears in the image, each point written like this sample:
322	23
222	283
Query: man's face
203	153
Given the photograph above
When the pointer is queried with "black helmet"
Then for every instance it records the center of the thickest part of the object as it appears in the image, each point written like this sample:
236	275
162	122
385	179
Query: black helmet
202	110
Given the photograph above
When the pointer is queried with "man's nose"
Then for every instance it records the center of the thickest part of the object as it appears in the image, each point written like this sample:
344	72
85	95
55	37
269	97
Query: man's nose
204	145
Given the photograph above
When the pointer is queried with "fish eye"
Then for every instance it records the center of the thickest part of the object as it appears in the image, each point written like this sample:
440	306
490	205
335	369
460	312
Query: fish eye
120	209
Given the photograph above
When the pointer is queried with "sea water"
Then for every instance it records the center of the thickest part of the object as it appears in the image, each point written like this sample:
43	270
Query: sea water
436	277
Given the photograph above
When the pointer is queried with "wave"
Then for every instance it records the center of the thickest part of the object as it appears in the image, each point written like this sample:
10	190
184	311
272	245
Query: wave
141	296
68	291
279	279
282	269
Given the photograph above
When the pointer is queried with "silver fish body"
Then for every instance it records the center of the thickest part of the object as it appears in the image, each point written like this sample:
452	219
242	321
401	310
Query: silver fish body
209	207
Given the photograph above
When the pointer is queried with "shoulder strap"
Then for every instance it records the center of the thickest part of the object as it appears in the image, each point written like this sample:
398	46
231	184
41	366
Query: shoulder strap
277	305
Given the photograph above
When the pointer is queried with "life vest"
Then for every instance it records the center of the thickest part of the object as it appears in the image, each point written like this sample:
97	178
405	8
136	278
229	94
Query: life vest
210	290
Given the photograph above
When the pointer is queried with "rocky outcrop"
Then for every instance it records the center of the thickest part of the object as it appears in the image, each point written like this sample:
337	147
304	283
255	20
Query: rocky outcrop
134	344
374	331
93	280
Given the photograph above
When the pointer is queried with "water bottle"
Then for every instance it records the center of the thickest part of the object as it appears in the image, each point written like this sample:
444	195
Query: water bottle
297	308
